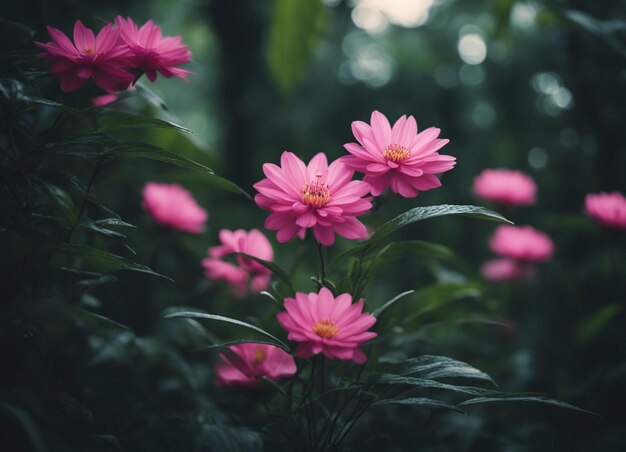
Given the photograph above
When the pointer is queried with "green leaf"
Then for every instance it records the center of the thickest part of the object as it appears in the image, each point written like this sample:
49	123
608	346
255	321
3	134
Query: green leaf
524	397
202	315
295	30
84	259
433	367
144	150
420	402
109	119
595	323
422	213
432	384
397	250
237	342
384	307
418	214
274	268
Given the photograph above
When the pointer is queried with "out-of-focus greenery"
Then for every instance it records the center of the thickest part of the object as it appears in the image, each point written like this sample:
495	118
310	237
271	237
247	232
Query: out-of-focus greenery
548	99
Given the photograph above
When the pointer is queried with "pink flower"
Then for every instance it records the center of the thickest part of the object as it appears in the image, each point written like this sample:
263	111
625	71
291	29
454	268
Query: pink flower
244	364
173	206
504	186
505	270
253	243
397	157
328	325
152	52
318	196
522	243
608	208
98	57
104	99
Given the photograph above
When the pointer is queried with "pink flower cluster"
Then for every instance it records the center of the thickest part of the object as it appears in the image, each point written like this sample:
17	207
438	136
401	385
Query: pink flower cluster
244	364
324	197
174	207
520	247
607	208
247	273
506	187
116	57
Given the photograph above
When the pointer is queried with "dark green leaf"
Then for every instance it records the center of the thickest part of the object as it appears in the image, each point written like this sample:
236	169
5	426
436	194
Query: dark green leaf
420	402
148	151
418	214
201	315
274	268
237	342
109	119
380	310
523	397
432	367
94	261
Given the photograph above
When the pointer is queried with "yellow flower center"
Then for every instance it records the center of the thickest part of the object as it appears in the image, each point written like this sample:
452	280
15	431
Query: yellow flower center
259	356
315	193
90	51
396	153
326	329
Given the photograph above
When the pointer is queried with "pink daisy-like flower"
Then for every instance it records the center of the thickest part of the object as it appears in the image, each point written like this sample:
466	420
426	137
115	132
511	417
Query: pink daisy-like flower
318	196
152	52
506	270
99	57
244	364
397	157
248	272
521	243
504	186
608	208
173	206
321	323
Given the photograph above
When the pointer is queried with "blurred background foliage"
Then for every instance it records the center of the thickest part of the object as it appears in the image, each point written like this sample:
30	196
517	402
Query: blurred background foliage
530	85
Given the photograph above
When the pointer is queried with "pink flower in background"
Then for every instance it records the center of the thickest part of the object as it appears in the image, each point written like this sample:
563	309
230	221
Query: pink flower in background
521	243
397	157
318	196
104	99
173	206
497	270
152	52
324	324
608	208
244	364
504	186
99	57
247	272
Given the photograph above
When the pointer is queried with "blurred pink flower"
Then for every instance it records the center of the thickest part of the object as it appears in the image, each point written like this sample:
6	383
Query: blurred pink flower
244	364
324	324
253	243
397	157
504	186
104	99
173	206
152	52
318	196
522	243
505	270
99	57
608	208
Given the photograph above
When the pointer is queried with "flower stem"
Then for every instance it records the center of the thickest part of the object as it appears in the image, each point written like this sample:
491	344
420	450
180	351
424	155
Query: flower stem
320	250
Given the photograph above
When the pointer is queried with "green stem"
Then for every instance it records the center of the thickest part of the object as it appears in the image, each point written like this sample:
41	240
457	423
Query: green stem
320	251
83	204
